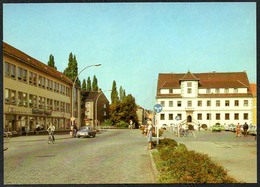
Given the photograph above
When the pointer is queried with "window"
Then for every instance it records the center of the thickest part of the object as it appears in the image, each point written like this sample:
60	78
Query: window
245	102
13	97
7	96
226	116
20	99
163	103
32	78
105	105
226	90
170	116
179	103
189	90
217	102
226	102
236	102
199	103
170	91
41	101
180	116
162	116
22	74
67	107
217	116
10	70
170	103
245	116
189	104
105	113
199	116
50	84
56	105
189	84
235	90
32	101
208	91
208	116
208	103
236	116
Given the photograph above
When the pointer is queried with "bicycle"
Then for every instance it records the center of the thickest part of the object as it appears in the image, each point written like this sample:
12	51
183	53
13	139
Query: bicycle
50	138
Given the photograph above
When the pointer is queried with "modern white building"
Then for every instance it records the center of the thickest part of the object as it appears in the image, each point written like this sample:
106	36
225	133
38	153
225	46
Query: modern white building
204	98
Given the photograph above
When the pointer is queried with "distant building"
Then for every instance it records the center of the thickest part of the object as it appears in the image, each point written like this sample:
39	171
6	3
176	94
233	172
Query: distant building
140	115
204	98
254	110
35	93
96	108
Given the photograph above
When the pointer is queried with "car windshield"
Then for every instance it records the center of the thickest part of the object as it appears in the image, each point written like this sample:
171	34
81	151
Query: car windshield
84	130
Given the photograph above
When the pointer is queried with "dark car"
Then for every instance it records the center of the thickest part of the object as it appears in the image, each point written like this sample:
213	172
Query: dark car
86	131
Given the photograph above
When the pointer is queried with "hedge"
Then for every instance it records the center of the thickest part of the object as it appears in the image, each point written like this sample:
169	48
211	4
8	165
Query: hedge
176	164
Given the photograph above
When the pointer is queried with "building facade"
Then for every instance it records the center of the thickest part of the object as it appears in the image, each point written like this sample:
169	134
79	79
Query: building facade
204	98
34	93
254	109
95	108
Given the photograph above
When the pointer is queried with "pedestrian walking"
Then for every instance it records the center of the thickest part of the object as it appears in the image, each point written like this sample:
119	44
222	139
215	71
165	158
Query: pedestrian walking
51	130
238	130
150	134
75	130
245	128
37	128
27	130
130	124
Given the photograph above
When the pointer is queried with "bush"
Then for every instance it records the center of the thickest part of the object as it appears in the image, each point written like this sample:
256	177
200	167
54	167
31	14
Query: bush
179	165
122	124
107	122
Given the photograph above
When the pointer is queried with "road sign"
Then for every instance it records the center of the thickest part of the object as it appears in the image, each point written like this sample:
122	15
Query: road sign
177	118
157	108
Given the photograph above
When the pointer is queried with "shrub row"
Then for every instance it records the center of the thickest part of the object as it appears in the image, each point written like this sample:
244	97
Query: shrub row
179	165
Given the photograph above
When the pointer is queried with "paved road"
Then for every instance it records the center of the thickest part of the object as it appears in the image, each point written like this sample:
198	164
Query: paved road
237	155
115	156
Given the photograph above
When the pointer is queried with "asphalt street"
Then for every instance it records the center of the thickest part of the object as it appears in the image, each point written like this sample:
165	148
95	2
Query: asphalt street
112	157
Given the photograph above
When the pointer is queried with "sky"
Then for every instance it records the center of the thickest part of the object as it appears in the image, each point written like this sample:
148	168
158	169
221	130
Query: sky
134	42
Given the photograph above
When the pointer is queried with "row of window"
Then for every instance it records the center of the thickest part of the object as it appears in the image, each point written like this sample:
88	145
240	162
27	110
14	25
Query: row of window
209	91
34	79
18	98
208	103
208	116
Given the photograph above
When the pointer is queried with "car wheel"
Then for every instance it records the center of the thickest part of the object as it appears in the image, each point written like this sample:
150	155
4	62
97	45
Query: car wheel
94	136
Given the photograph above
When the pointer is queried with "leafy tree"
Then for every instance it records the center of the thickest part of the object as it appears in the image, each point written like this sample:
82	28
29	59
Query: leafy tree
114	93
95	84
84	86
72	70
88	84
51	62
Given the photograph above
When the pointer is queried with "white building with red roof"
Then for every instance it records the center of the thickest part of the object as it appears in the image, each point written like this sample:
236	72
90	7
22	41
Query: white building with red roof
204	98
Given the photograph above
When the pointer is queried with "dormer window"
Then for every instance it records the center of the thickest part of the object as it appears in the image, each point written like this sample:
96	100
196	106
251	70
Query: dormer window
170	91
189	90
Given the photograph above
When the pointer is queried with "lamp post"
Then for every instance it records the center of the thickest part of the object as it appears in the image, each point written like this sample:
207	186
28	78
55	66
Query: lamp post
96	104
72	106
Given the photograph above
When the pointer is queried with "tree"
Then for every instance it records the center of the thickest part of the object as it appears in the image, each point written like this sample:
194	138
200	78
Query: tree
95	84
51	62
84	86
114	93
72	70
88	85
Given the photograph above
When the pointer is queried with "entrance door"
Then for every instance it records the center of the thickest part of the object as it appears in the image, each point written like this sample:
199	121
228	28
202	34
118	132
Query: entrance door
189	119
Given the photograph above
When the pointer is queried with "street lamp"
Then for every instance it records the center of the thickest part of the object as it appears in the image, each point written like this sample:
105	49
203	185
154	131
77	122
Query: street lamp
96	104
72	107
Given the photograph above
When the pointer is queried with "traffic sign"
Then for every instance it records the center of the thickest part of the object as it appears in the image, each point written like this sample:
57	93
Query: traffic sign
177	118
157	108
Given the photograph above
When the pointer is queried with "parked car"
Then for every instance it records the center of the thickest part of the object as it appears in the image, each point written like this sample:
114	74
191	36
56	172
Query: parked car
163	126
252	130
232	127
86	131
226	127
216	127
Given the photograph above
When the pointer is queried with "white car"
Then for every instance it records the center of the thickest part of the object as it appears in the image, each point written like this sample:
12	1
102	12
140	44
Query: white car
252	130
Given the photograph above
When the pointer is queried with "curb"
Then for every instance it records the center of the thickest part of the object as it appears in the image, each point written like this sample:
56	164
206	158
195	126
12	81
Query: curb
155	171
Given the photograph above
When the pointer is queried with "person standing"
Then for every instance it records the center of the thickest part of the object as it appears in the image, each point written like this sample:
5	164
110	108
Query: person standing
238	130
245	128
131	124
150	134
27	130
75	130
51	130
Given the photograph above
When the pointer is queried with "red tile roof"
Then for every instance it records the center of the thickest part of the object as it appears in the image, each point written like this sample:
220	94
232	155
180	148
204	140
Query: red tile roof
206	80
253	89
21	56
